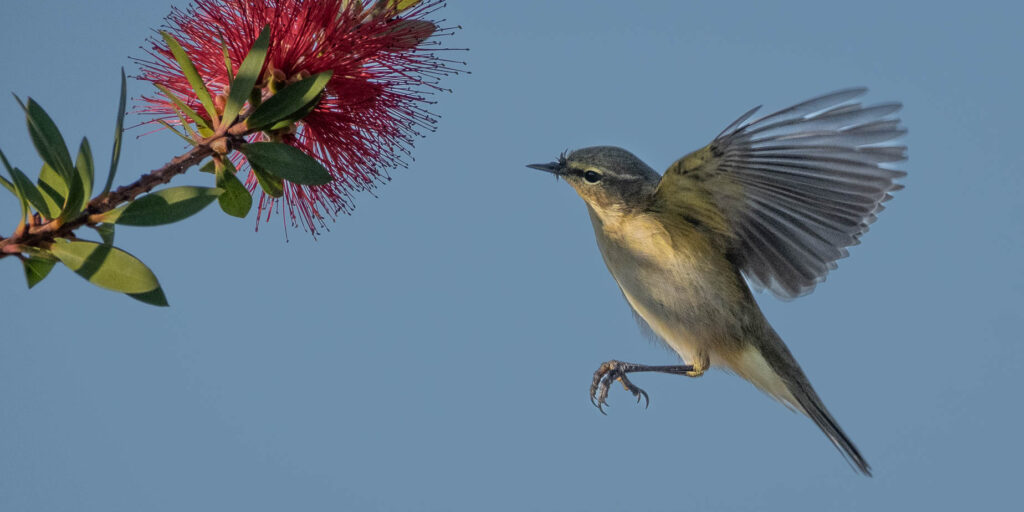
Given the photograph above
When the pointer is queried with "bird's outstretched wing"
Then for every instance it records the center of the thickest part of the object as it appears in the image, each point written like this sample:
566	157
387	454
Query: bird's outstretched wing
796	187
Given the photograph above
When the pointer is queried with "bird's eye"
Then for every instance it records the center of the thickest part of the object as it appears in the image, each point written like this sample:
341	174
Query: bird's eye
592	177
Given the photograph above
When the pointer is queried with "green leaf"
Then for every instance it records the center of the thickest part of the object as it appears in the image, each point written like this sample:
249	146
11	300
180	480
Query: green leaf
192	75
3	158
389	7
176	132
209	167
188	128
77	196
105	266
248	74
296	116
54	191
153	298
115	153
185	109
28	191
106	232
236	200
163	206
73	203
48	140
36	269
402	5
22	202
22	188
285	162
288	101
86	171
271	185
227	61
8	185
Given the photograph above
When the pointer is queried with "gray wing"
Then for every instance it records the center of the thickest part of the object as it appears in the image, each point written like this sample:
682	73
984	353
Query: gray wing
800	185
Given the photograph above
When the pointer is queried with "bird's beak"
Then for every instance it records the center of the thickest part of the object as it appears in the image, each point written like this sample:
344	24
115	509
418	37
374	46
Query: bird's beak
552	167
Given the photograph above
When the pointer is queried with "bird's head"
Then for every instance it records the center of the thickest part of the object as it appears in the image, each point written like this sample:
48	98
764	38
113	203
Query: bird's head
608	178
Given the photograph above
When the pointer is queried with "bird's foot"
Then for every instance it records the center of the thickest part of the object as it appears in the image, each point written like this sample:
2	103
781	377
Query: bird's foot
609	372
613	370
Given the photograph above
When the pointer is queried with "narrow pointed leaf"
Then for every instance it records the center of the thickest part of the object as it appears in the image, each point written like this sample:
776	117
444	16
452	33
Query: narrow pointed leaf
77	196
22	200
153	298
288	101
105	266
192	75
271	185
248	74
296	116
188	127
36	269
28	190
184	109
402	5
3	159
390	7
8	185
236	200
54	191
227	61
285	162
115	152
15	188
175	131
73	203
86	171
163	206
48	140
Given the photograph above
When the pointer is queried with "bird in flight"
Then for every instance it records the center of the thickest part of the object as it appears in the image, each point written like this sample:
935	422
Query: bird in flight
776	199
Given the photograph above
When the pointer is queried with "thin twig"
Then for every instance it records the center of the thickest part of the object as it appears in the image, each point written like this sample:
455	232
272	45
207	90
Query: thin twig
41	236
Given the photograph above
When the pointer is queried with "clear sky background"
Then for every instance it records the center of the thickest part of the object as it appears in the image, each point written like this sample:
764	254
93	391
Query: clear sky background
433	351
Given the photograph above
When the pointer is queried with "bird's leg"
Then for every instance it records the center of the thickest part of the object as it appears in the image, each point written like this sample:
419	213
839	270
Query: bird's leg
613	370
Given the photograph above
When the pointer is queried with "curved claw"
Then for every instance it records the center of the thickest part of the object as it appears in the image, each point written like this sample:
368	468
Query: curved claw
647	399
602	398
607	373
599	387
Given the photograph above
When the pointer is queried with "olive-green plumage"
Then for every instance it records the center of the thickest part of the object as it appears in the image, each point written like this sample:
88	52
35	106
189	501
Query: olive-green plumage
777	199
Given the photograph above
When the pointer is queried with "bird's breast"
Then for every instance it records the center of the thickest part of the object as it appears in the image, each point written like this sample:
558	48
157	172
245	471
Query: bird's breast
676	280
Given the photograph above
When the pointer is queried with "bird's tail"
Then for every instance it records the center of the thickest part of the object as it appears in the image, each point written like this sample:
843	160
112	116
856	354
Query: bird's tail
773	369
815	409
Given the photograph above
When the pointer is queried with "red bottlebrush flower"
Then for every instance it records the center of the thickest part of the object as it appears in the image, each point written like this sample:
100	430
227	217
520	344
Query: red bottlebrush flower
371	109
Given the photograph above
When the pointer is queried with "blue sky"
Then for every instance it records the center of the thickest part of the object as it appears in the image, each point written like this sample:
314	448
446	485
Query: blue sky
433	351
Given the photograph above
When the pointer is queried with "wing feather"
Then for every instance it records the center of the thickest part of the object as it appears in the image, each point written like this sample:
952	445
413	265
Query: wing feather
798	186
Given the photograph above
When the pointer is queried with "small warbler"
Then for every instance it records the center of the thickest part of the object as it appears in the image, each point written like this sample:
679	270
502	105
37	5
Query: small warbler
776	199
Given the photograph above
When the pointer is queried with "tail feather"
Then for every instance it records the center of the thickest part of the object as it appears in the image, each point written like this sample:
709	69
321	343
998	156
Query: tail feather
773	369
813	407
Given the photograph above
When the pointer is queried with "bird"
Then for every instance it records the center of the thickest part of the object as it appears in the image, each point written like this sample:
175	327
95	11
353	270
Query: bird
771	203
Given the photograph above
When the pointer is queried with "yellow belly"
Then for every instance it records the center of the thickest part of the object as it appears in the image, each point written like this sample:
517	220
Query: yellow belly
678	283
